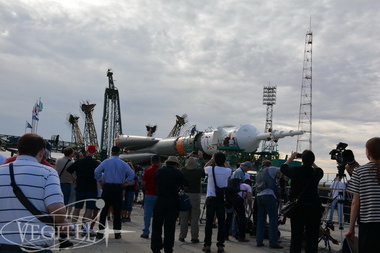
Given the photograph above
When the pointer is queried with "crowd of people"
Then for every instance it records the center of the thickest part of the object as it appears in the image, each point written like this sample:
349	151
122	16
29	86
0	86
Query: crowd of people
111	187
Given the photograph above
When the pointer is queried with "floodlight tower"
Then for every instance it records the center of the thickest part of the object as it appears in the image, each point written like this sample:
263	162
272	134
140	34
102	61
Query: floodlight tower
305	114
111	126
269	99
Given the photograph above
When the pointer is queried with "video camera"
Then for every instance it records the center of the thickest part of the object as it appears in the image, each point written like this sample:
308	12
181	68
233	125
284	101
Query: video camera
342	156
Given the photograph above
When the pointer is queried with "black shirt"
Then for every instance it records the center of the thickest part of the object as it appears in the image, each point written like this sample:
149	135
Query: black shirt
84	169
168	180
304	176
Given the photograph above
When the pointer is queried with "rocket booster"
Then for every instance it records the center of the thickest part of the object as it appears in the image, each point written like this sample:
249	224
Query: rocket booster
245	138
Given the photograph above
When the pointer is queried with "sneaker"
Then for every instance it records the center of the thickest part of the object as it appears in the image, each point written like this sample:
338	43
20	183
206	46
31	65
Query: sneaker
117	236
128	219
144	236
99	236
277	246
206	249
195	240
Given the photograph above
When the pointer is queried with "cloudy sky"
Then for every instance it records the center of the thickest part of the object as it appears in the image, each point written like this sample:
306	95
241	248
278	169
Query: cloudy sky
208	59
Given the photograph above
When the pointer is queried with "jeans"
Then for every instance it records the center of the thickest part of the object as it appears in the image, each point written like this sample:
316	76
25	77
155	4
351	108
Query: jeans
127	202
214	206
335	203
149	201
267	205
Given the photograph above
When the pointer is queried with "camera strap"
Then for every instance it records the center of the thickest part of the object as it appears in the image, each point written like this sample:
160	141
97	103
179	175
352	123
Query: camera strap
27	204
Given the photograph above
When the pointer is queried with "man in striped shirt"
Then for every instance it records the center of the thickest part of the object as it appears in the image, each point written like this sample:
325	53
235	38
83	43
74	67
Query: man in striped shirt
40	184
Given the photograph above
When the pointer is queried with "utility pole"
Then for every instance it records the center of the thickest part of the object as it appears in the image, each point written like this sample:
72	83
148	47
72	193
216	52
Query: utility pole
305	114
111	126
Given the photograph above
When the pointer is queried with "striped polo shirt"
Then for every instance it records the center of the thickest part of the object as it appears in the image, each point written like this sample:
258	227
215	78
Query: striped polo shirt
40	184
364	183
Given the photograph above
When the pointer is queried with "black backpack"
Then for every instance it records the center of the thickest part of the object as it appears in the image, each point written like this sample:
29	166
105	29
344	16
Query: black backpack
233	186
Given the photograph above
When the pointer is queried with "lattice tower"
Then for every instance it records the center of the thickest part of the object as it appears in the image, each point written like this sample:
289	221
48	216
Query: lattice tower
90	137
76	134
180	122
269	99
111	126
305	113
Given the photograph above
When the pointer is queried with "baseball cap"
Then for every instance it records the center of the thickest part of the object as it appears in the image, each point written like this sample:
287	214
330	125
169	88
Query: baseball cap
247	163
91	148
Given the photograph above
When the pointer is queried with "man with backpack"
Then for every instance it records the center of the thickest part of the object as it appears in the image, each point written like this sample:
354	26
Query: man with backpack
267	191
218	171
236	200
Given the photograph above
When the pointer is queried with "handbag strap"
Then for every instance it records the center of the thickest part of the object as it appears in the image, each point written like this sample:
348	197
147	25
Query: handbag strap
64	167
27	204
299	195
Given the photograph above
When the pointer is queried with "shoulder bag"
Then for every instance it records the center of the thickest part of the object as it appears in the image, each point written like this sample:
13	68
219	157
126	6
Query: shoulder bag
184	202
288	210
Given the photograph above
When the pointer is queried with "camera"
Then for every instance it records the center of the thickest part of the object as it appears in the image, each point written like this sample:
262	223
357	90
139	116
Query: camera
299	155
342	156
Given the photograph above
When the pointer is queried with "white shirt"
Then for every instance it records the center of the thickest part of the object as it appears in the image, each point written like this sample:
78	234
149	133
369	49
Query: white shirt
221	173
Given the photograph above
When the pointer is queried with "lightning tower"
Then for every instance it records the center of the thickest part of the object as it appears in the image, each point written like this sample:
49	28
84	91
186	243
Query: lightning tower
305	113
111	126
269	99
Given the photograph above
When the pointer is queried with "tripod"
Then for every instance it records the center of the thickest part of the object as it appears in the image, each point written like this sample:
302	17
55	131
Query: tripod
326	235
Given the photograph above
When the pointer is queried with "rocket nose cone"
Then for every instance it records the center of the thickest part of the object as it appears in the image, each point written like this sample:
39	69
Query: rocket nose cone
246	138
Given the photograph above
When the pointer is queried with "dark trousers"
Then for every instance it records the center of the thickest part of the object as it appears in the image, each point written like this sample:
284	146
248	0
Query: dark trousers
112	195
369	236
239	209
214	206
307	220
165	213
242	220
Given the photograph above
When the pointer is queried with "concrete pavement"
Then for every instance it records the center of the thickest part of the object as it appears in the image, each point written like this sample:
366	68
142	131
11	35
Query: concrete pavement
131	242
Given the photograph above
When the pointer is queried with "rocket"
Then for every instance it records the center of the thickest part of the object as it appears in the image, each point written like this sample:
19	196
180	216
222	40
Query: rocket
244	138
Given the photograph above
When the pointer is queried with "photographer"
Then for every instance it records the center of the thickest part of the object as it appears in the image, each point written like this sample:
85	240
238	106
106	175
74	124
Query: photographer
338	189
308	211
365	186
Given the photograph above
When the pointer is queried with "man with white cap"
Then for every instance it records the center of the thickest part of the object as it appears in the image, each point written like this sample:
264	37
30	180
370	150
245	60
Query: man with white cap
241	172
168	180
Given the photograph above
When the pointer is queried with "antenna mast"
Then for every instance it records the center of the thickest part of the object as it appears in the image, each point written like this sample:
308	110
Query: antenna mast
305	114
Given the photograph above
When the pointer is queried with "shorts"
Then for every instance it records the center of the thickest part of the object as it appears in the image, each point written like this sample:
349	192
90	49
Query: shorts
81	198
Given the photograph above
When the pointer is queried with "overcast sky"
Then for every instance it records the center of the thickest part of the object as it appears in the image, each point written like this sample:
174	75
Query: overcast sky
208	59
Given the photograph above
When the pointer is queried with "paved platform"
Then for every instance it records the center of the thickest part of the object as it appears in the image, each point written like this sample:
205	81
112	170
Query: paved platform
132	243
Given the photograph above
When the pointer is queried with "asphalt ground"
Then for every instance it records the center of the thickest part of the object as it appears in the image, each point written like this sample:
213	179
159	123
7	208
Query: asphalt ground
131	241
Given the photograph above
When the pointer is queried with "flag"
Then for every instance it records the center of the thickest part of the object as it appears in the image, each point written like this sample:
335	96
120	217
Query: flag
40	106
28	125
35	112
